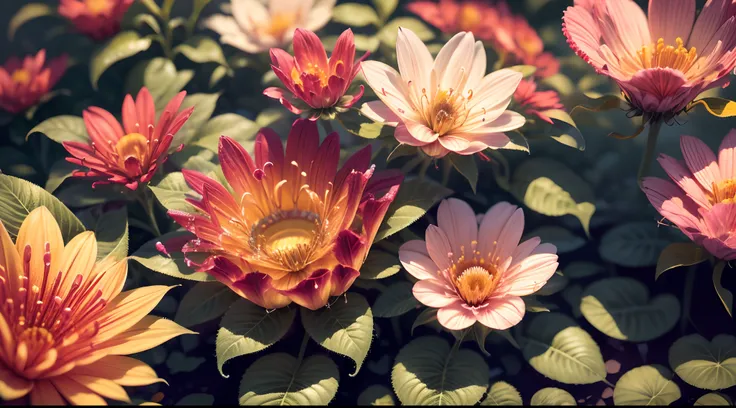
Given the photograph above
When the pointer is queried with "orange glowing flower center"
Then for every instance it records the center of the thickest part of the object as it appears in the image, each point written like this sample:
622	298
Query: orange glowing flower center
281	23
96	7
448	111
21	76
289	238
36	341
667	56
469	17
475	276
313	70
724	192
133	145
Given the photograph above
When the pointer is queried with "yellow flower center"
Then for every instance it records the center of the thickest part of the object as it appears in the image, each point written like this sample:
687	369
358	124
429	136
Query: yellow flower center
132	145
311	69
668	56
447	112
469	17
281	23
96	7
21	76
724	192
475	284
289	238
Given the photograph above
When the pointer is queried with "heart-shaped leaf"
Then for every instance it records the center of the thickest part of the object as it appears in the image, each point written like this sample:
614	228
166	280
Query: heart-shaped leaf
558	348
59	172
379	265
62	128
414	199
346	327
172	191
646	385
396	300
552	397
281	379
633	244
203	302
679	254
376	395
710	365
241	129
502	393
428	372
711	399
620	307
562	238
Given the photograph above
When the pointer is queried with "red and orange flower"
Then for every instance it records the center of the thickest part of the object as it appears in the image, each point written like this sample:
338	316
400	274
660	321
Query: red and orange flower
533	102
65	324
452	16
129	154
24	83
98	19
293	228
315	84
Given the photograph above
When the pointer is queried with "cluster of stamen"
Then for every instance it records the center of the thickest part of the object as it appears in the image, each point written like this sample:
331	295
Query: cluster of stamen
289	238
96	7
660	55
46	318
474	275
281	23
313	72
21	76
723	192
132	146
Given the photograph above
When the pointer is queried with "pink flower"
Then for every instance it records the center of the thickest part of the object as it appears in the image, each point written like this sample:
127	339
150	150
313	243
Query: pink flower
315	83
24	83
477	273
446	104
452	16
702	200
98	19
535	102
662	62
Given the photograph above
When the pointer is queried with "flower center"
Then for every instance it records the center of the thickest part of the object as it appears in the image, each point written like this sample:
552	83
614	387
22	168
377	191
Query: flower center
724	192
97	7
313	71
133	145
288	238
281	23
475	284
469	17
668	56
449	111
21	76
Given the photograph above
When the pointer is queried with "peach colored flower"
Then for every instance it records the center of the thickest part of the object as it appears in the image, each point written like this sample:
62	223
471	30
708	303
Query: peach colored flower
65	325
453	16
702	200
98	19
661	63
447	104
255	27
293	227
477	273
533	102
314	83
129	154
24	83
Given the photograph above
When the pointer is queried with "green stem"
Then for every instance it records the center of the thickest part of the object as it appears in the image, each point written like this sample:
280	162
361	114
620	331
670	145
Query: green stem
303	348
147	202
168	32
646	160
688	296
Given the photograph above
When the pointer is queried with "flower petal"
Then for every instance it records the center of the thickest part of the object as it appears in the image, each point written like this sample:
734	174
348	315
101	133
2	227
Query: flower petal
415	259
670	19
456	316
41	234
531	273
125	371
457	219
501	313
12	386
434	293
701	161
727	156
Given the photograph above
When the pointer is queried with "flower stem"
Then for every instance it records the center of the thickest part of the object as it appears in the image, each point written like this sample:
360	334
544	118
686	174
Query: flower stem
688	297
303	348
646	160
147	202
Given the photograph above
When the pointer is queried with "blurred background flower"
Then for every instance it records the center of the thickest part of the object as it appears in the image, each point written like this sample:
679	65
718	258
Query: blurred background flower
98	19
24	83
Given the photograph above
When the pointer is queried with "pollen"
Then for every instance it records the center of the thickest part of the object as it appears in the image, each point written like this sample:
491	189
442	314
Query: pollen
281	23
475	276
723	192
288	238
21	76
660	55
447	111
97	7
133	145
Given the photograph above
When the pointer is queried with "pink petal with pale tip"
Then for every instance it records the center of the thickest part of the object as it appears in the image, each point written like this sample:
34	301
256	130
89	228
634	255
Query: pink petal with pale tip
456	316
415	259
727	156
434	293
684	179
529	275
491	226
501	313
379	112
439	247
669	19
701	161
457	219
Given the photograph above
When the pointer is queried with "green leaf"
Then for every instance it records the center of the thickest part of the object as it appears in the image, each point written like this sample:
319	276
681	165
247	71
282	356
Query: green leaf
724	294
709	365
555	284
27	13
722	108
426	373
712	399
379	265
376	395
390	31
502	393
203	302
359	125
63	128
558	348
562	238
19	197
149	20
247	328
355	15
426	316
414	199
204	105
346	327
172	191
526	70
551	188
679	254
582	270
241	129
111	231
122	46
396	300
565	130
217	75
646	385
160	77
466	166
281	379
201	49
633	244
552	397
81	194
620	307
604	103
385	8
174	264
60	171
